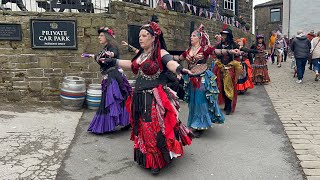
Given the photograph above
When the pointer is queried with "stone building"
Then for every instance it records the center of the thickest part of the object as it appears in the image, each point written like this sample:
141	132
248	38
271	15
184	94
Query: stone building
36	74
300	15
268	18
239	7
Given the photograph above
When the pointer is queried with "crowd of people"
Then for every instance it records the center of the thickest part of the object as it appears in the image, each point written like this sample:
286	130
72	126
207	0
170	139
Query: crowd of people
151	108
305	48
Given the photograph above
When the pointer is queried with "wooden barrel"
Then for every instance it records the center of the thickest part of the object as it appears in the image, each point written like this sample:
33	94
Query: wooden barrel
72	92
94	96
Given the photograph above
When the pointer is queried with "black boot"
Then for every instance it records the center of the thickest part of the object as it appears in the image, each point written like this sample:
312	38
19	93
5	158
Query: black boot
197	133
155	171
125	127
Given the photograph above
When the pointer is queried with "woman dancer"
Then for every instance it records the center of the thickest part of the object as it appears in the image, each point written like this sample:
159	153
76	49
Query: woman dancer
201	90
260	68
245	78
115	89
227	70
157	134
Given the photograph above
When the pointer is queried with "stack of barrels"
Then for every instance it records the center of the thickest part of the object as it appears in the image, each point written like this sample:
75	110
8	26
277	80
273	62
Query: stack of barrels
73	93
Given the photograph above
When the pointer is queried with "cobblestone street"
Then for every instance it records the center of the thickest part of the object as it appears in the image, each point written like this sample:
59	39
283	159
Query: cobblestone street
297	106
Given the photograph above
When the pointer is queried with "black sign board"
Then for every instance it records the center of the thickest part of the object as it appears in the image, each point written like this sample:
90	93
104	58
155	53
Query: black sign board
10	32
53	34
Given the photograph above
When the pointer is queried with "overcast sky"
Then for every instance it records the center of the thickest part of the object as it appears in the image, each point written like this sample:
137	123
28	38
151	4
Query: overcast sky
259	1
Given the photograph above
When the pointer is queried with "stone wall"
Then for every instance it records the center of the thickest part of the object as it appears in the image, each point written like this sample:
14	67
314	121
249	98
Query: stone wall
35	74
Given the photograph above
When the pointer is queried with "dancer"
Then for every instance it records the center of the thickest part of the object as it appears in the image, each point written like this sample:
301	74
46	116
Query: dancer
260	68
115	89
245	78
201	90
227	70
156	131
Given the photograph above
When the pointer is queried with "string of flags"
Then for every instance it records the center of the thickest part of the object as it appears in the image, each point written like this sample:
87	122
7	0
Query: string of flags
208	13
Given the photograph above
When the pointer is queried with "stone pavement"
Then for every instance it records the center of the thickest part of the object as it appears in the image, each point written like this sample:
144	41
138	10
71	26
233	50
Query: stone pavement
297	106
34	139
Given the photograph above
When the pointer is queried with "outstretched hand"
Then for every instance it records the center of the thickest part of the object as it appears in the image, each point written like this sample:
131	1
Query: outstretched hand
235	51
124	43
85	55
186	71
107	60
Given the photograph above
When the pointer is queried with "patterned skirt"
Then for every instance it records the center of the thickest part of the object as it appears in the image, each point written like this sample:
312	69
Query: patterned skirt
260	71
156	132
112	111
201	94
245	78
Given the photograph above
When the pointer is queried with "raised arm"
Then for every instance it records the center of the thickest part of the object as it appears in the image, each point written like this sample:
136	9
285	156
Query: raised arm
132	48
171	64
249	50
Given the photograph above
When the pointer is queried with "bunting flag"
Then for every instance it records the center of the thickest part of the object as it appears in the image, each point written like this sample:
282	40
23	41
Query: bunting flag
170	1
195	9
182	4
200	11
210	16
188	6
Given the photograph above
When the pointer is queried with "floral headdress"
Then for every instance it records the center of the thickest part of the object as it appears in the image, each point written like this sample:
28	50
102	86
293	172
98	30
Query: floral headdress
204	37
107	30
153	28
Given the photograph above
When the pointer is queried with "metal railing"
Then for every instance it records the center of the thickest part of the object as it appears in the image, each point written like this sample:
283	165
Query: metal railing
86	6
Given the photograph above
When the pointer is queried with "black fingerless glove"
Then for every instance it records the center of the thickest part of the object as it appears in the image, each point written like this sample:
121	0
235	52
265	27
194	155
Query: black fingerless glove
109	61
179	70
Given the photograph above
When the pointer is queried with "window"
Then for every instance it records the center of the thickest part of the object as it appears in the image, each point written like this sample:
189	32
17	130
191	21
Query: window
230	5
275	15
133	33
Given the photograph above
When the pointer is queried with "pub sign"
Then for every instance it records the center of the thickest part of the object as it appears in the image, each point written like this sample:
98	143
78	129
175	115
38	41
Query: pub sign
53	34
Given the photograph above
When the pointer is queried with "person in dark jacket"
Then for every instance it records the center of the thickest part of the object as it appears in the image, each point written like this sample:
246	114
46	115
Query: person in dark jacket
300	46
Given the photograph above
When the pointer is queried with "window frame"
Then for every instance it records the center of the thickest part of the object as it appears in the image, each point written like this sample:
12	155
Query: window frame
233	7
272	10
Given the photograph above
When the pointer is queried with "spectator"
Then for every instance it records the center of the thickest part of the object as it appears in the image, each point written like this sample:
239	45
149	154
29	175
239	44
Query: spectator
285	52
315	52
279	47
271	44
301	48
310	36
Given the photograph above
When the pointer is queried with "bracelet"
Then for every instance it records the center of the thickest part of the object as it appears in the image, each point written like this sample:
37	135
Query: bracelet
117	62
179	69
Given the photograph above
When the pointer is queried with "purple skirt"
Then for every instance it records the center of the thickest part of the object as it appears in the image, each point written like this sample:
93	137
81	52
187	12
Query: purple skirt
112	111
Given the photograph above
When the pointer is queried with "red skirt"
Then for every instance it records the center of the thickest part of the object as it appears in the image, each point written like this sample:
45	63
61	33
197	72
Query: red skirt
155	134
